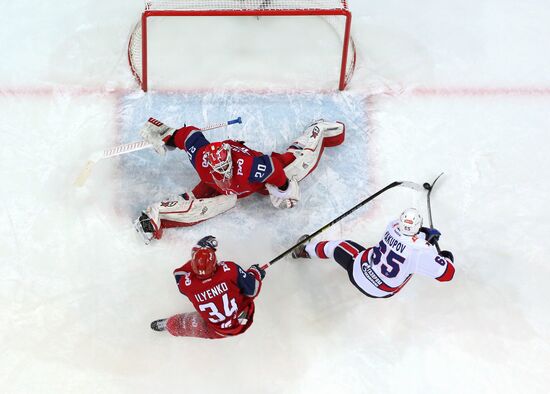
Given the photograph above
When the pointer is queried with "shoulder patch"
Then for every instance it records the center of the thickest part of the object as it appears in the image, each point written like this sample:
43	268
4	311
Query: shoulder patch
262	168
194	141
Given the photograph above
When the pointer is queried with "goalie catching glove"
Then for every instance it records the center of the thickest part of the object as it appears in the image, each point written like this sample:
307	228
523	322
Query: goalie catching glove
285	197
157	134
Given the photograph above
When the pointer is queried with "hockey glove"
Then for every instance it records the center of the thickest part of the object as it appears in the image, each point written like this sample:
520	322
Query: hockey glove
432	234
447	255
258	269
156	133
287	198
208	242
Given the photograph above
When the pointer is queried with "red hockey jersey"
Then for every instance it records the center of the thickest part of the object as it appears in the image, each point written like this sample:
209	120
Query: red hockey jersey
251	169
224	300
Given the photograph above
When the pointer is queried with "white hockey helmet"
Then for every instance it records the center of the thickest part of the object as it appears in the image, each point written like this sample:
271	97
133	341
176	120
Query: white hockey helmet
219	159
410	222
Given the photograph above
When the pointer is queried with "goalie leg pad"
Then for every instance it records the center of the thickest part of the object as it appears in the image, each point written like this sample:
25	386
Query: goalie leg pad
309	147
334	134
181	212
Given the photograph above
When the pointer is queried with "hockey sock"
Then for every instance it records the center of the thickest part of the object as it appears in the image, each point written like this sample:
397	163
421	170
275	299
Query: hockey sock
190	325
322	249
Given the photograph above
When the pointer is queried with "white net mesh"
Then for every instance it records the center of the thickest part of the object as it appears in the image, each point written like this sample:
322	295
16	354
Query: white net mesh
265	7
134	53
245	5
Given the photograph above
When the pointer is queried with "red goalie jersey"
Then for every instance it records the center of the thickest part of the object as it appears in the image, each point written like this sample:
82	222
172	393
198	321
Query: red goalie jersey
229	170
240	170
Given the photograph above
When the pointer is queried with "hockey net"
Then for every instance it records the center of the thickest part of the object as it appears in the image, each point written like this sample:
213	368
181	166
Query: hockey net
334	12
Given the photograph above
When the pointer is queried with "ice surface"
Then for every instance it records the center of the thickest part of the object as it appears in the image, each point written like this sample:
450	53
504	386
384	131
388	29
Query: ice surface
456	87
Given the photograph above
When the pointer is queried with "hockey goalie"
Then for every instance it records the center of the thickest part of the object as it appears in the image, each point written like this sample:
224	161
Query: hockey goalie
229	170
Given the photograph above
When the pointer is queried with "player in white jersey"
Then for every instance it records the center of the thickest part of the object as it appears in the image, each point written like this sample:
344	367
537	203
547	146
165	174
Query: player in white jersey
381	271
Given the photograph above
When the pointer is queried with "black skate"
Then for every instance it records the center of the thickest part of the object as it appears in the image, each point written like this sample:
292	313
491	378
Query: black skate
159	325
145	228
145	223
299	251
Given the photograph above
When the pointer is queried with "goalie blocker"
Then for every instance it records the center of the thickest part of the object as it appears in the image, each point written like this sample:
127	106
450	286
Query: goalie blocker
230	170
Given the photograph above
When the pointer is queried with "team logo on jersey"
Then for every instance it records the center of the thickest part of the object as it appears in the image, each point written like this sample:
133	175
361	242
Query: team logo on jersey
315	132
168	204
204	158
187	279
240	163
370	274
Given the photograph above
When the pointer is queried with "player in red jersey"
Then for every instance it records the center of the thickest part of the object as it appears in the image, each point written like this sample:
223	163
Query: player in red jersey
221	292
229	170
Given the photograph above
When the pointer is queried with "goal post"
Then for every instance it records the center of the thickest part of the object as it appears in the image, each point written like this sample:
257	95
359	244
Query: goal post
335	12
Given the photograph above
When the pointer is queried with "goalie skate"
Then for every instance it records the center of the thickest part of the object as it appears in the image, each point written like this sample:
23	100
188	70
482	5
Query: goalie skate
146	227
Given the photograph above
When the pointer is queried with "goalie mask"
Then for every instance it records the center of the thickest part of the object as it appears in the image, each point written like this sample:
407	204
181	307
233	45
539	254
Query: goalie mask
219	160
410	222
203	262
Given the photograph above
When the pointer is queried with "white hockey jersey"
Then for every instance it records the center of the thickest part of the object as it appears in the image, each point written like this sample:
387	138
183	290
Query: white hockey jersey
384	269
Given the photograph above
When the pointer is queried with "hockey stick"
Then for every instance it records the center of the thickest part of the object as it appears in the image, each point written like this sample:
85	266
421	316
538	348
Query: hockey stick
410	185
128	148
429	188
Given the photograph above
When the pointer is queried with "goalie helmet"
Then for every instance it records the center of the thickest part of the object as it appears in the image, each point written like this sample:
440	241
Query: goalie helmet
410	222
219	159
203	262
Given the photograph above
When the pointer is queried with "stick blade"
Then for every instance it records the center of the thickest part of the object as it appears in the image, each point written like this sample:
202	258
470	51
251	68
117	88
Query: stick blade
411	185
435	180
84	174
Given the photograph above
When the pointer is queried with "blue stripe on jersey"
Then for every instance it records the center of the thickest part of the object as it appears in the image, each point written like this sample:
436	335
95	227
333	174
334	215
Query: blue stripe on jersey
178	275
194	141
247	283
262	168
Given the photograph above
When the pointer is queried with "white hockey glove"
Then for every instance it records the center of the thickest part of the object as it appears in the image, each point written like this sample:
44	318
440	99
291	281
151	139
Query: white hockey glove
283	199
156	133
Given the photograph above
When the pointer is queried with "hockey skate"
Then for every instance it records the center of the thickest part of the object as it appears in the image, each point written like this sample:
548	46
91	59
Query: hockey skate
299	252
159	325
146	227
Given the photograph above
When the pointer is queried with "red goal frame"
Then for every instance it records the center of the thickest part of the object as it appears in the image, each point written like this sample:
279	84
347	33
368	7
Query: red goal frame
344	78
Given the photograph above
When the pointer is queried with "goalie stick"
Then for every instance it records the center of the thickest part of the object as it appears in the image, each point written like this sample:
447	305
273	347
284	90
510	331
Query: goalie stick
410	185
131	147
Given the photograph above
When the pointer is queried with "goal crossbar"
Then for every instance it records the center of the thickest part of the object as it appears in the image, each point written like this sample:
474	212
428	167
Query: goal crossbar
348	56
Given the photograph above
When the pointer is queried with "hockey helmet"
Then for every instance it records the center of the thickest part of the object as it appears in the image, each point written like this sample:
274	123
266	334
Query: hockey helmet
410	222
203	262
219	159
